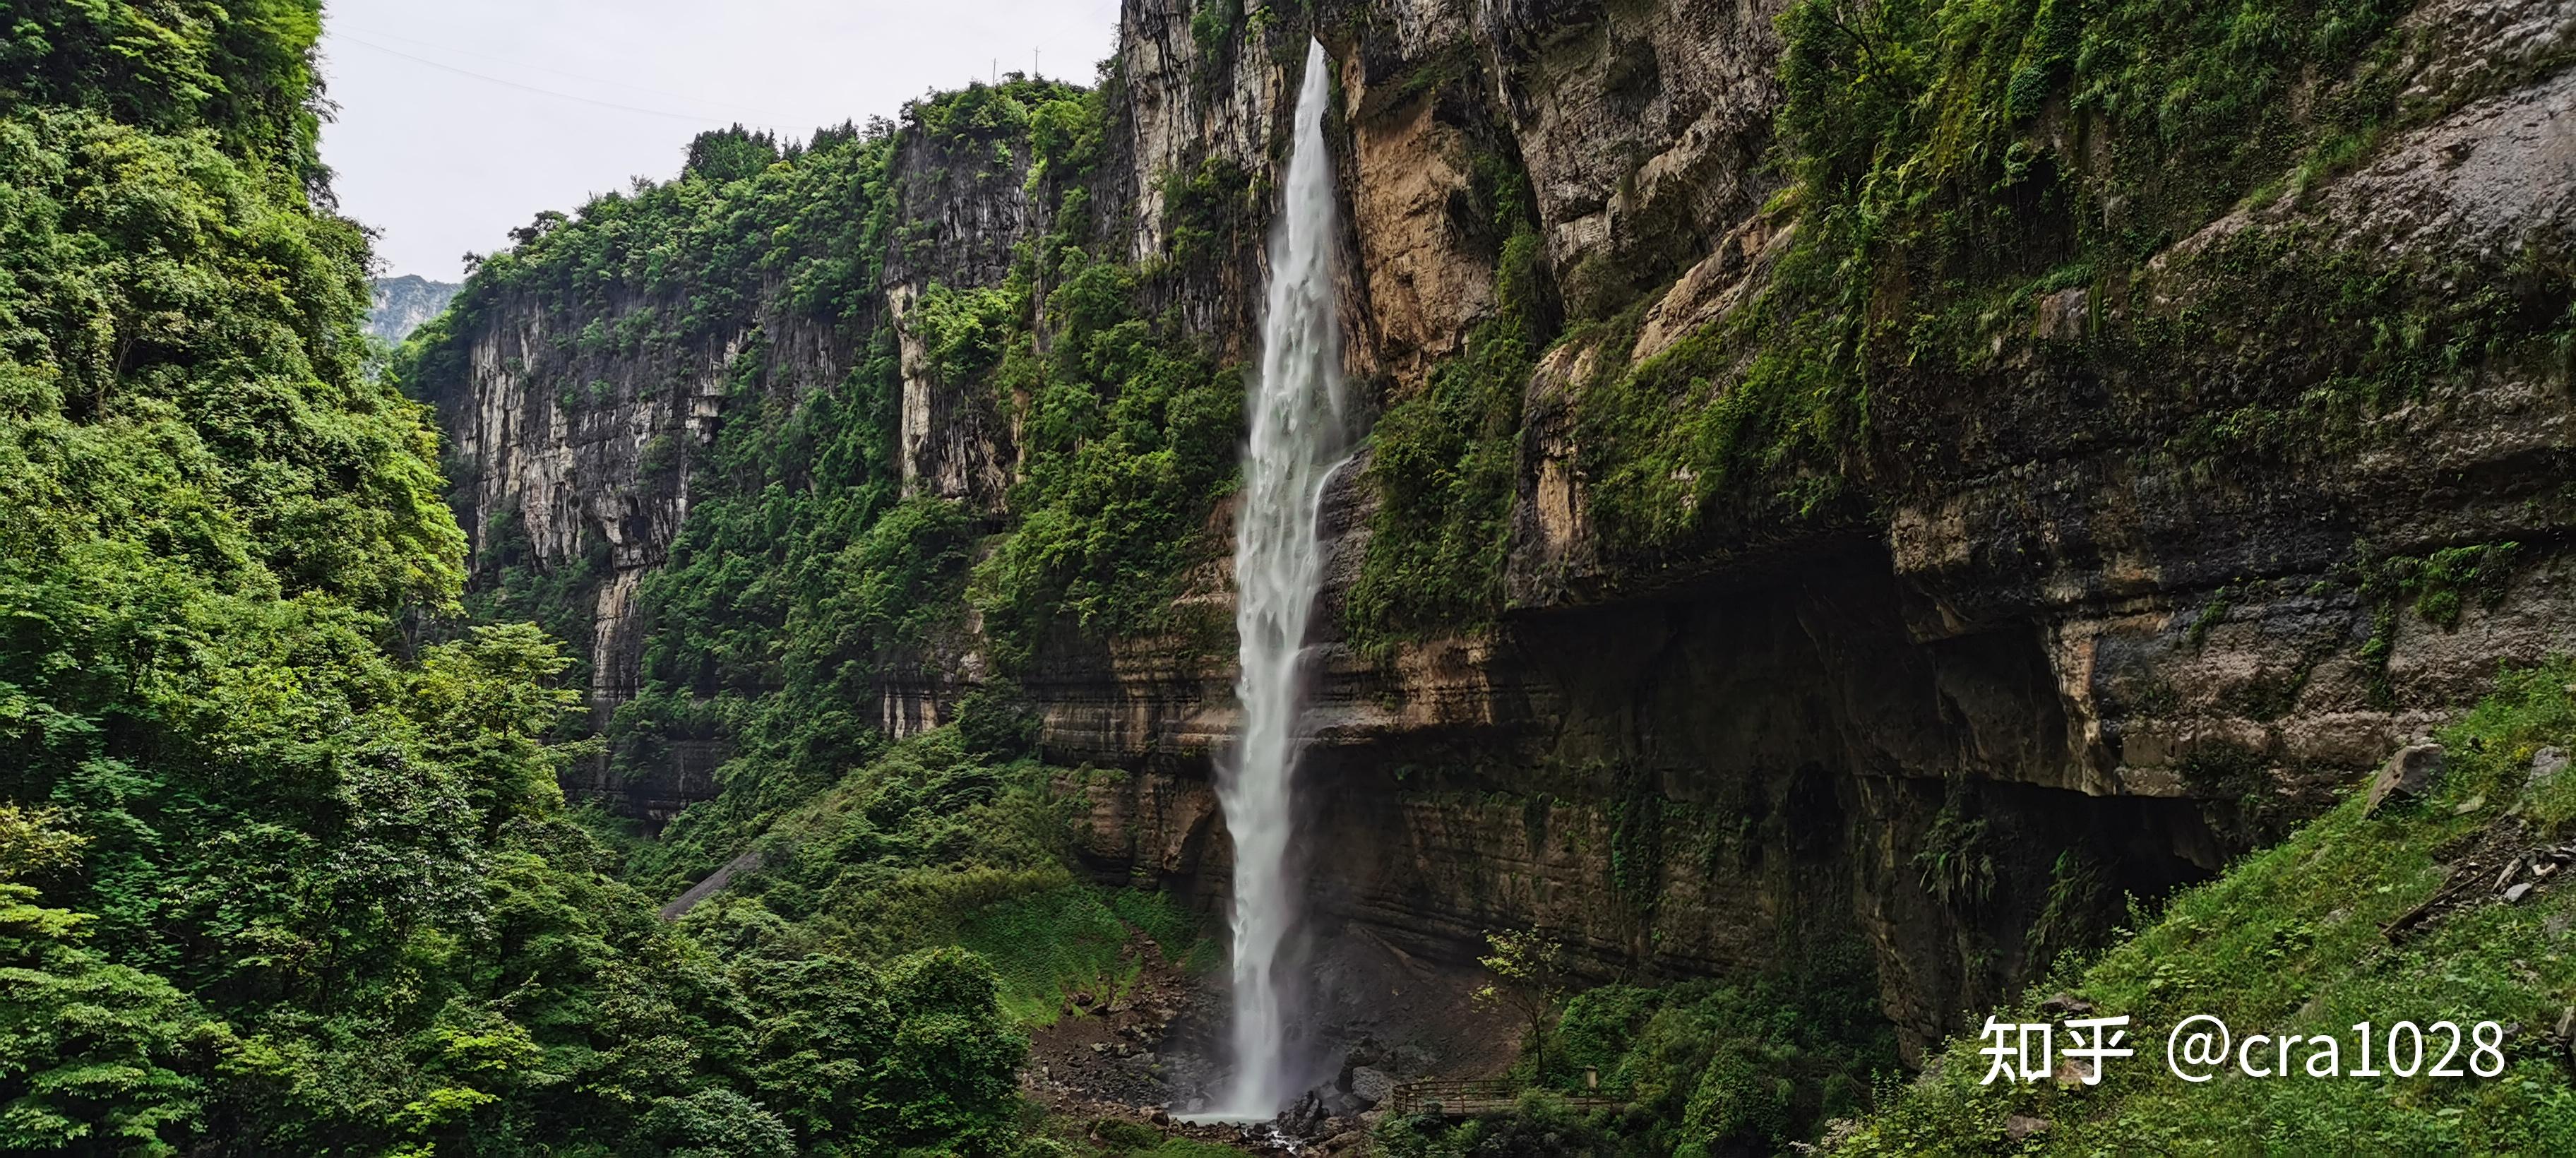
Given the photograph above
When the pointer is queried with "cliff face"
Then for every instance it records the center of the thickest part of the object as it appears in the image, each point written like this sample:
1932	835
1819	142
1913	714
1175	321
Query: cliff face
398	305
574	460
578	430
2043	648
2054	646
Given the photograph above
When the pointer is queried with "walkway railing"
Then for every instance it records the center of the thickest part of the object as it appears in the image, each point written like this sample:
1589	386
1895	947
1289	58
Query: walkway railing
1466	1099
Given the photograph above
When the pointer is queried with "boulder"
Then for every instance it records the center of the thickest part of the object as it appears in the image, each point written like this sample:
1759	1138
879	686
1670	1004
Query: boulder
1306	1118
2546	764
2066	1004
2406	775
1343	1104
1371	1084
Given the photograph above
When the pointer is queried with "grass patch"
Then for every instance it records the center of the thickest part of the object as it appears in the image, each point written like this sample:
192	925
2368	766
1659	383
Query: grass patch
935	842
2290	942
1079	938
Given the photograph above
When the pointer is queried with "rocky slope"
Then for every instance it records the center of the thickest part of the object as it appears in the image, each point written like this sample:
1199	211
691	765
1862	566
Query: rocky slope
2059	629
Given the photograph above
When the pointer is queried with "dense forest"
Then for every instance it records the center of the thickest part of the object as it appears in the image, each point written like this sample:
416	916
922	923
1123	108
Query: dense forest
283	863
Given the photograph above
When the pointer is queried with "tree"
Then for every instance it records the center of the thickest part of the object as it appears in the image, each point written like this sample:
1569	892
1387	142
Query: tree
93	1054
731	154
1530	978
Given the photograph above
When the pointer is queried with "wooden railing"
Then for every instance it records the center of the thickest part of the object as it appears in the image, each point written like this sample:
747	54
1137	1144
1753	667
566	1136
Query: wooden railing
1466	1099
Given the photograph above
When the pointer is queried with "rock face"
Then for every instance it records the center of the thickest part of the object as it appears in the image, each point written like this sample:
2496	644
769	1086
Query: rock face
2546	764
398	305
2059	664
575	455
2057	661
576	462
968	217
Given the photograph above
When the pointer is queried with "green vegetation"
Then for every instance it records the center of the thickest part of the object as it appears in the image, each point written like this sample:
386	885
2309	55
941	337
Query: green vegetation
1216	28
2433	585
934	844
1638	833
801	577
1129	428
1954	163
1444	457
1957	861
1531	977
1955	169
804	578
283	864
730	156
2211	615
1131	440
2290	941
1210	214
1705	1068
242	73
522	589
1540	1126
796	582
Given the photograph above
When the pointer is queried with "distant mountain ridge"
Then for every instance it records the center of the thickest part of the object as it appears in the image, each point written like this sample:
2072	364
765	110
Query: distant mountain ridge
401	304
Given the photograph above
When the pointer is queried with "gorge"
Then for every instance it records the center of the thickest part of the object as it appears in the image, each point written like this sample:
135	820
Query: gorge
2076	598
1674	557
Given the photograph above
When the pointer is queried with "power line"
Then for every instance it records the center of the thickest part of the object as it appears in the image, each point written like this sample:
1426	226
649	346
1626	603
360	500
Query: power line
444	67
416	42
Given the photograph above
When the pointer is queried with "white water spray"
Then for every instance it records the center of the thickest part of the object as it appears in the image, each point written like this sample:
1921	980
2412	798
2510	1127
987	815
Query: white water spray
1298	438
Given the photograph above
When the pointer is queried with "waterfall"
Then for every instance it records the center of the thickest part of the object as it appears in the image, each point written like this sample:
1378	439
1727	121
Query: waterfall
1298	439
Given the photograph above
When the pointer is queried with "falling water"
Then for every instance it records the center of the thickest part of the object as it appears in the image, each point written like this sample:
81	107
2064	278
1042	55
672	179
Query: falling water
1298	438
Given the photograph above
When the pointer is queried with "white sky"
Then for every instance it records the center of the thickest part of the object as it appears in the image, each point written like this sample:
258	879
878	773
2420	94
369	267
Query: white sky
444	163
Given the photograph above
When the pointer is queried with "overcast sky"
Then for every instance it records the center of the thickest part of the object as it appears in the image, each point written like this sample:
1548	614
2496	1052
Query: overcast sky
460	120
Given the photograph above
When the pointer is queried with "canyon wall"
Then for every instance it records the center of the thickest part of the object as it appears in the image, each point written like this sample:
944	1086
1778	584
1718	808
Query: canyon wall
2052	642
2040	648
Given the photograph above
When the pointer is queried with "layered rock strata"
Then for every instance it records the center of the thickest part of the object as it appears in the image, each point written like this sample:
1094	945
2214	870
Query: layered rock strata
2054	660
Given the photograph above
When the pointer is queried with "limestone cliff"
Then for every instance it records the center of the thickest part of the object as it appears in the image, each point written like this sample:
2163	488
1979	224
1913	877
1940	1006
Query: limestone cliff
2038	645
398	305
2049	640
